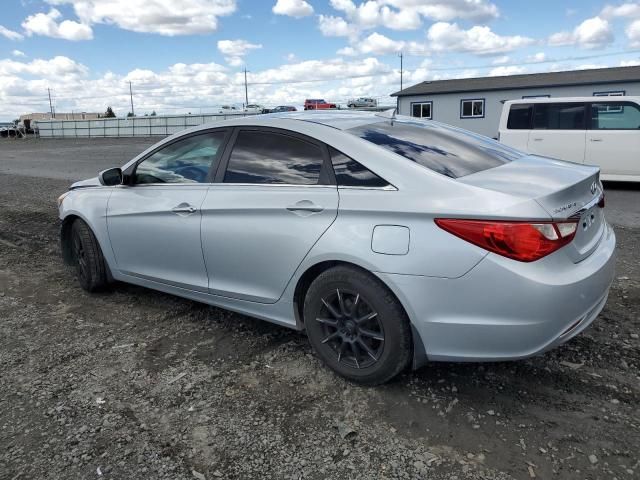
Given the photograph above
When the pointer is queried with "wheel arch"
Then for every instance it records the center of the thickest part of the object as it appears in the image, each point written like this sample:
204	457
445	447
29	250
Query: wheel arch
305	280
65	241
65	238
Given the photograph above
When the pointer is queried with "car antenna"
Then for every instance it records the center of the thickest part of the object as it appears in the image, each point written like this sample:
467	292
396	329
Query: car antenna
390	114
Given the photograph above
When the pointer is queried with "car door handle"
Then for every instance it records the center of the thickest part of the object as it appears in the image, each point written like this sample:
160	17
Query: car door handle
184	208
305	206
537	139
595	139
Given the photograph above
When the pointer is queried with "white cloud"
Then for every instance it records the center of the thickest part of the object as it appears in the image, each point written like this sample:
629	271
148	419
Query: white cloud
10	34
292	8
593	33
537	57
633	33
56	68
506	70
626	10
46	24
480	40
347	51
378	44
408	14
164	17
630	63
334	26
235	50
501	60
18	53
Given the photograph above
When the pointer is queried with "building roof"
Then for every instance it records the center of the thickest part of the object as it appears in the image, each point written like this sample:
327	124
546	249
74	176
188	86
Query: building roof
531	80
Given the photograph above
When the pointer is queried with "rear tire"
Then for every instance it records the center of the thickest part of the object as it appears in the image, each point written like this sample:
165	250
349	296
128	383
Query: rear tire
357	326
87	257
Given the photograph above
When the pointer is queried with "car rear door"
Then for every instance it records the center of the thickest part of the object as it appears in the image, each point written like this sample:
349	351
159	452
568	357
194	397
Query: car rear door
558	131
154	221
271	202
613	140
515	125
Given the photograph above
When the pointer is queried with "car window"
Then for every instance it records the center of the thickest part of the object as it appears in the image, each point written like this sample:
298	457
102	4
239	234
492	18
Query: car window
184	161
268	157
350	173
520	116
447	150
615	116
559	116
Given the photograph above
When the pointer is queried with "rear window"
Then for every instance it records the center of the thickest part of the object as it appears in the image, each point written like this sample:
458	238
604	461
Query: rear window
559	116
449	151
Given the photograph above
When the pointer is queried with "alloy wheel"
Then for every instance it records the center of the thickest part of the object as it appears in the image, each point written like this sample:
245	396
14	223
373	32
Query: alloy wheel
351	328
80	257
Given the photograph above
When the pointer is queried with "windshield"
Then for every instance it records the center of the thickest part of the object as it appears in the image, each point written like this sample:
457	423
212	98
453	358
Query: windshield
447	150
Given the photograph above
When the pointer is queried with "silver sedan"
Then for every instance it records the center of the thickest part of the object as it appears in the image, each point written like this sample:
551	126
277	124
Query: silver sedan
391	240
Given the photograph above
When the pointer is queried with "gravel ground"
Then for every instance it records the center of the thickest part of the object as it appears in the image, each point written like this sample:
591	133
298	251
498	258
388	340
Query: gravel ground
132	383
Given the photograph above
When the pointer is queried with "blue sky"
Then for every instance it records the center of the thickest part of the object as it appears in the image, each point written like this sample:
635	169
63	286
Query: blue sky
186	55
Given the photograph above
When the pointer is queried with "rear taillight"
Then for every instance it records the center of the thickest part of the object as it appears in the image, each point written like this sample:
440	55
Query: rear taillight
601	200
522	241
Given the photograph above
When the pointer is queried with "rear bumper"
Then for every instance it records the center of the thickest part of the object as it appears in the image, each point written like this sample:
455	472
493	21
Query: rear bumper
507	310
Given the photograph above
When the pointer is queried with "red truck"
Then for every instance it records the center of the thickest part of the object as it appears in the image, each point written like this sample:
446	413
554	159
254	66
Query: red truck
317	104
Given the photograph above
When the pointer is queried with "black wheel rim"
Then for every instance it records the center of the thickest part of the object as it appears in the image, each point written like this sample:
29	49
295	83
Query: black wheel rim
351	328
81	259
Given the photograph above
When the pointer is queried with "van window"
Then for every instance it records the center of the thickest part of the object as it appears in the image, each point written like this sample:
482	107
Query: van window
520	116
559	116
615	116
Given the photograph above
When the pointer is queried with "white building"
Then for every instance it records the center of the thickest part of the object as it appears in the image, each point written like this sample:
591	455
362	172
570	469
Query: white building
476	103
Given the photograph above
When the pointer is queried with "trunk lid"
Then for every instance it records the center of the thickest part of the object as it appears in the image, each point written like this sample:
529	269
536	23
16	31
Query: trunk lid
565	190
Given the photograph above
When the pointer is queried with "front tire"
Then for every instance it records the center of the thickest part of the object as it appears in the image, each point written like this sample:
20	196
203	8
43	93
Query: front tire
357	326
87	257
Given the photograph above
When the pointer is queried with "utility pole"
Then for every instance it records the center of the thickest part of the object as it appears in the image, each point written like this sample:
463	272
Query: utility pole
400	55
50	104
246	92
131	97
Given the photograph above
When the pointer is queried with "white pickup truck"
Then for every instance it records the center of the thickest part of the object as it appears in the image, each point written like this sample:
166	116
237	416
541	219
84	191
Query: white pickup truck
602	131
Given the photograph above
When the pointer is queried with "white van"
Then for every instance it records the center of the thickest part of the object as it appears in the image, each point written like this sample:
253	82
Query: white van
602	131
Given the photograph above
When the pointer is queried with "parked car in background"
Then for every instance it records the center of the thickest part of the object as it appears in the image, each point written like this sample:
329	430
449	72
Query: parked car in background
602	131
390	240
12	131
228	109
362	102
282	108
254	108
317	104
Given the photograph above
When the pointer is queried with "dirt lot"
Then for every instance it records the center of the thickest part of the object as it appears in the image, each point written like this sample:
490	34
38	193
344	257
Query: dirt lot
133	383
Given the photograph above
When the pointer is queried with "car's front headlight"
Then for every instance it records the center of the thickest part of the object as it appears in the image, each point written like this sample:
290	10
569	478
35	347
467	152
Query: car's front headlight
62	197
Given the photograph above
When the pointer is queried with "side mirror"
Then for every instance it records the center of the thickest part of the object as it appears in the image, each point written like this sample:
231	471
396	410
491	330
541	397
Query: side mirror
110	177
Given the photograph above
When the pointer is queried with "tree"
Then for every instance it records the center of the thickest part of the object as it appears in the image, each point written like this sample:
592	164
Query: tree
109	113
129	115
153	114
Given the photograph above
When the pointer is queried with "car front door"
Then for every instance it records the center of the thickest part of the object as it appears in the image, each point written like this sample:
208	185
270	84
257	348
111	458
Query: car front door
613	140
154	220
270	204
558	131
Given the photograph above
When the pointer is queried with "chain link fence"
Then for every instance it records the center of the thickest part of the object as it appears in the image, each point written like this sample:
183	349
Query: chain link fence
126	127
